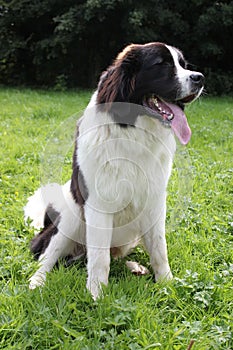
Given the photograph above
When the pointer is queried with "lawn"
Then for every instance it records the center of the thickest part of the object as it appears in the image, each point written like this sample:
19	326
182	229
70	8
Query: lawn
134	313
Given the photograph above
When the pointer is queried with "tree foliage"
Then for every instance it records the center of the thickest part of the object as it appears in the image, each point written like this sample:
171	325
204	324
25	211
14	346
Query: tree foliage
69	42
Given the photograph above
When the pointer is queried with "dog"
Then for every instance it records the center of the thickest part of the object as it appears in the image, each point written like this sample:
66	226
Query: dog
124	148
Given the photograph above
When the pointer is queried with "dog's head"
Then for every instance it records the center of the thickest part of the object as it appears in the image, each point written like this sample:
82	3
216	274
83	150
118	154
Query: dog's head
154	76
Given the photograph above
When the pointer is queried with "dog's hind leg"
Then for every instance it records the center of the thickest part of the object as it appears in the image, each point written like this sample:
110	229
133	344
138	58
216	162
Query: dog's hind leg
55	242
58	247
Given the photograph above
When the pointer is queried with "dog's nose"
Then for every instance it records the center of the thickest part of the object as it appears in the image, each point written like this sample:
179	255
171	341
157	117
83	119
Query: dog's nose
197	79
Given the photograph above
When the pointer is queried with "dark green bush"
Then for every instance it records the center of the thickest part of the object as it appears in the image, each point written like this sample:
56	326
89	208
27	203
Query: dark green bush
219	83
66	43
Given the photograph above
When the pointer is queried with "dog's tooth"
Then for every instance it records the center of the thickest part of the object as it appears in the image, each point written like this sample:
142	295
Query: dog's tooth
155	102
170	116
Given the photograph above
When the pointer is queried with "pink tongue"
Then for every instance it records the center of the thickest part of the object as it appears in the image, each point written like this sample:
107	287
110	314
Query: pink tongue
180	124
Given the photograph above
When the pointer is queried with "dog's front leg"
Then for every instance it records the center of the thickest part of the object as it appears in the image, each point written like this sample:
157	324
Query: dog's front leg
98	240
155	242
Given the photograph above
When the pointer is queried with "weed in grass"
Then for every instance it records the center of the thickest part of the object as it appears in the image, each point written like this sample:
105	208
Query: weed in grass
134	313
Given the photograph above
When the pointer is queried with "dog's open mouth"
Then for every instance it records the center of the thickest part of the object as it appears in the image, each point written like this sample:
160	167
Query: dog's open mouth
171	114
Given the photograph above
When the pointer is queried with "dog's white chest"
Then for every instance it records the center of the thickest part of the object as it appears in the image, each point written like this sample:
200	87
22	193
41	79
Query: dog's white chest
124	168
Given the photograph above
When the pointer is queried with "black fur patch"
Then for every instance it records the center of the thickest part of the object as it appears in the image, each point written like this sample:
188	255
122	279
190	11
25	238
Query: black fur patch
138	71
42	240
51	215
78	186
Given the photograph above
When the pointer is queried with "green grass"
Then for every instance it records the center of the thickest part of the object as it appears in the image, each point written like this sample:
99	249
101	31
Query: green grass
135	313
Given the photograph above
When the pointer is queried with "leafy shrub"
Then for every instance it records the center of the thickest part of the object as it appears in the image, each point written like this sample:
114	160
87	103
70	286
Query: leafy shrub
39	40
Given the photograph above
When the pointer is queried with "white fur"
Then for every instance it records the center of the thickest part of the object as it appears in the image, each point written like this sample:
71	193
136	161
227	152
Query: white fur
71	228
39	201
126	171
182	73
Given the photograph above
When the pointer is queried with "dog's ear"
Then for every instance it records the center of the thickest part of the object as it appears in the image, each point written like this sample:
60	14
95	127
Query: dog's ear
118	82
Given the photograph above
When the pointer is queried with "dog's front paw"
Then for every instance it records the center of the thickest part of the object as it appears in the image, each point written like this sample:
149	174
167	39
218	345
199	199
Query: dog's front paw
168	276
94	288
37	280
164	276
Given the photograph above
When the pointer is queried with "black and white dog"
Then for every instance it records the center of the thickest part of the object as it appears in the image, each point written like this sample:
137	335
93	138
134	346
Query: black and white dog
122	161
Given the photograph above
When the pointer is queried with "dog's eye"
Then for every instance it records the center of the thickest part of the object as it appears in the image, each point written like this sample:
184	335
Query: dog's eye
162	62
158	61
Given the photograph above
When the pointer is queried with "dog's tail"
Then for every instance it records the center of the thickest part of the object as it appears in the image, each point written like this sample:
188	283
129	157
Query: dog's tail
52	195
